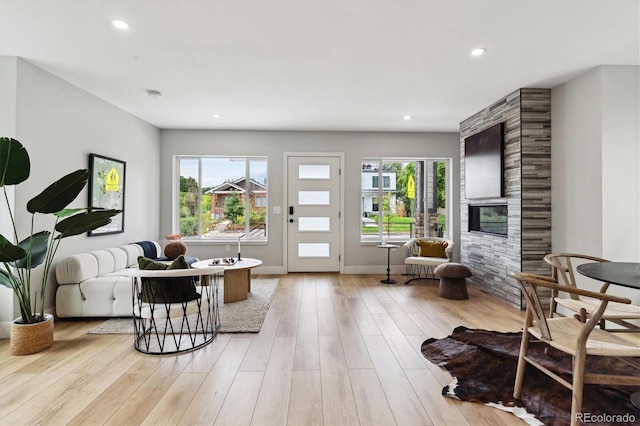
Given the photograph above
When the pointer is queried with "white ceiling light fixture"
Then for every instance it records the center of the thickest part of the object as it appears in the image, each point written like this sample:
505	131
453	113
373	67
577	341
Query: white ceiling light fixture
478	52
216	116
406	118
120	24
154	94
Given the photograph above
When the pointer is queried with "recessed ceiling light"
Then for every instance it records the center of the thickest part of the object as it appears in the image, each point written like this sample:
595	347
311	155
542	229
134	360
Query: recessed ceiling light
154	94
119	24
479	51
216	116
406	118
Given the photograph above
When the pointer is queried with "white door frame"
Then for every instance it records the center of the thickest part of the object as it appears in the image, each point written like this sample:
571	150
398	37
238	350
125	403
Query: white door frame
285	194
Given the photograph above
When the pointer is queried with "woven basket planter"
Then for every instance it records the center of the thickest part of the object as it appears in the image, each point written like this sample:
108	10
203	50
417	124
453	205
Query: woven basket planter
31	338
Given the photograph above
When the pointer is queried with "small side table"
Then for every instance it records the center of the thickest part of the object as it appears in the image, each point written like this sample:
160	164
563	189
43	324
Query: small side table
388	247
237	277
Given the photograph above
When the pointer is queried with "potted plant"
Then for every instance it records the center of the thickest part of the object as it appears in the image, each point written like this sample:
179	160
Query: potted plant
33	330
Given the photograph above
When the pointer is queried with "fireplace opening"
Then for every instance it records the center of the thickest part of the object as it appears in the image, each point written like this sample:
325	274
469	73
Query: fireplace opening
488	218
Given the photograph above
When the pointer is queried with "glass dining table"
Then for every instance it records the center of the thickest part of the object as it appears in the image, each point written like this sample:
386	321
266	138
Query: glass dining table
626	274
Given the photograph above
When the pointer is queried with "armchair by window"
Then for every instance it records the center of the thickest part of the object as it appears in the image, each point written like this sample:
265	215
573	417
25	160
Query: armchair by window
424	254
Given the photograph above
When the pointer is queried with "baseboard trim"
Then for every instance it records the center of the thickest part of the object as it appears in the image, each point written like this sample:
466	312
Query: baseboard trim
348	270
376	269
5	329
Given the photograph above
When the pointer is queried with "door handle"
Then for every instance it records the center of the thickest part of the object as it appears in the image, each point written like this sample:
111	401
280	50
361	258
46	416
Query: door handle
291	220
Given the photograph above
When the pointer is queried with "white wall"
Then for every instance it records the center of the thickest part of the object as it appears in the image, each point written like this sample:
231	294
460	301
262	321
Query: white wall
595	152
621	163
8	69
576	173
60	125
358	258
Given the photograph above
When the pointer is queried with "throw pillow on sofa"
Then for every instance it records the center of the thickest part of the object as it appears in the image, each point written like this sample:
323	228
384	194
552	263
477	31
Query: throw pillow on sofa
432	248
175	249
170	289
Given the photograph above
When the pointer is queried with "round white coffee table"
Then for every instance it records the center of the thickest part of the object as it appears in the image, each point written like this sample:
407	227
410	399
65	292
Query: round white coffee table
237	276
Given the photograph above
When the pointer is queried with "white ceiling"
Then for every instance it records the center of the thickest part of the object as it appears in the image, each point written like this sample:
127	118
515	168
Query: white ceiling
317	65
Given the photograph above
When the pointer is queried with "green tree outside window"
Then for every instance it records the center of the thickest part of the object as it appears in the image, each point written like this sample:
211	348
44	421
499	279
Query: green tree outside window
233	208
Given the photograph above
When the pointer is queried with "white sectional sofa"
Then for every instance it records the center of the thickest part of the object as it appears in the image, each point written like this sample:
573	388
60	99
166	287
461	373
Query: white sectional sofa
93	285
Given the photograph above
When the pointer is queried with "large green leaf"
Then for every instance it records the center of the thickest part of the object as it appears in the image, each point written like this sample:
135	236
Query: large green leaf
38	245
5	280
14	162
84	222
69	212
59	194
9	251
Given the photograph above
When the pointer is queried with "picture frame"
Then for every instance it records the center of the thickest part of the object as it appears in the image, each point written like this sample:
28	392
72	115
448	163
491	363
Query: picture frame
107	190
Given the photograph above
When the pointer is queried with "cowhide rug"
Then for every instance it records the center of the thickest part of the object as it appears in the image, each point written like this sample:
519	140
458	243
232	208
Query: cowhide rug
483	364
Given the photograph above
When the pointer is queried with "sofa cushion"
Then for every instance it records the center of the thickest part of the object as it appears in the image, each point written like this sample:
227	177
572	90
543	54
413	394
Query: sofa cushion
76	268
166	290
95	297
149	264
432	248
132	251
119	258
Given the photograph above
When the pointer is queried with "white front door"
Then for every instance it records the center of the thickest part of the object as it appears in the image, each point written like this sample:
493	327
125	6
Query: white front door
313	213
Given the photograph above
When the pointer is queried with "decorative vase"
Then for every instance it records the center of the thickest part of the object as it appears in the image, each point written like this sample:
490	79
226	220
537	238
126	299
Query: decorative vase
31	338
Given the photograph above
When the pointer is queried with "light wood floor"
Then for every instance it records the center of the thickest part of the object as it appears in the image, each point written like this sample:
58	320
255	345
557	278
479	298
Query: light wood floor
334	350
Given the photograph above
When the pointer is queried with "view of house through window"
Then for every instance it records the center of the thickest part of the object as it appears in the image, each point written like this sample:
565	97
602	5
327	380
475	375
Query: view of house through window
411	202
223	198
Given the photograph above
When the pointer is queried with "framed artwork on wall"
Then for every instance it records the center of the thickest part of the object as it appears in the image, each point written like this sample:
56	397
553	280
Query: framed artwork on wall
106	190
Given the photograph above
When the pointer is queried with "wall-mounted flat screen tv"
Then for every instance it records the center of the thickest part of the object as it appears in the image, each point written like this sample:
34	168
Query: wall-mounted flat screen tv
483	162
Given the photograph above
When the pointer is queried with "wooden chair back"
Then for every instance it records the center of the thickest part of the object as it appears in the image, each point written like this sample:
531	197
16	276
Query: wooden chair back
535	311
563	270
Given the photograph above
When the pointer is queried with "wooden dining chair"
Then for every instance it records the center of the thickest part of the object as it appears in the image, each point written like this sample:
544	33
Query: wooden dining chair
563	271
574	337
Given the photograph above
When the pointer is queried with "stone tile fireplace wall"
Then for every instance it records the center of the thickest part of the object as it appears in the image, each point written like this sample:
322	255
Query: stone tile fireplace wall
527	189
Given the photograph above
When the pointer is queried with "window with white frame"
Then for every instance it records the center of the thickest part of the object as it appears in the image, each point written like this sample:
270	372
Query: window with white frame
222	198
412	201
386	181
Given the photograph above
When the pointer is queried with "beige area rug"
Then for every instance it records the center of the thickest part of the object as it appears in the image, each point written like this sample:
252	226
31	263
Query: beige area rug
246	316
